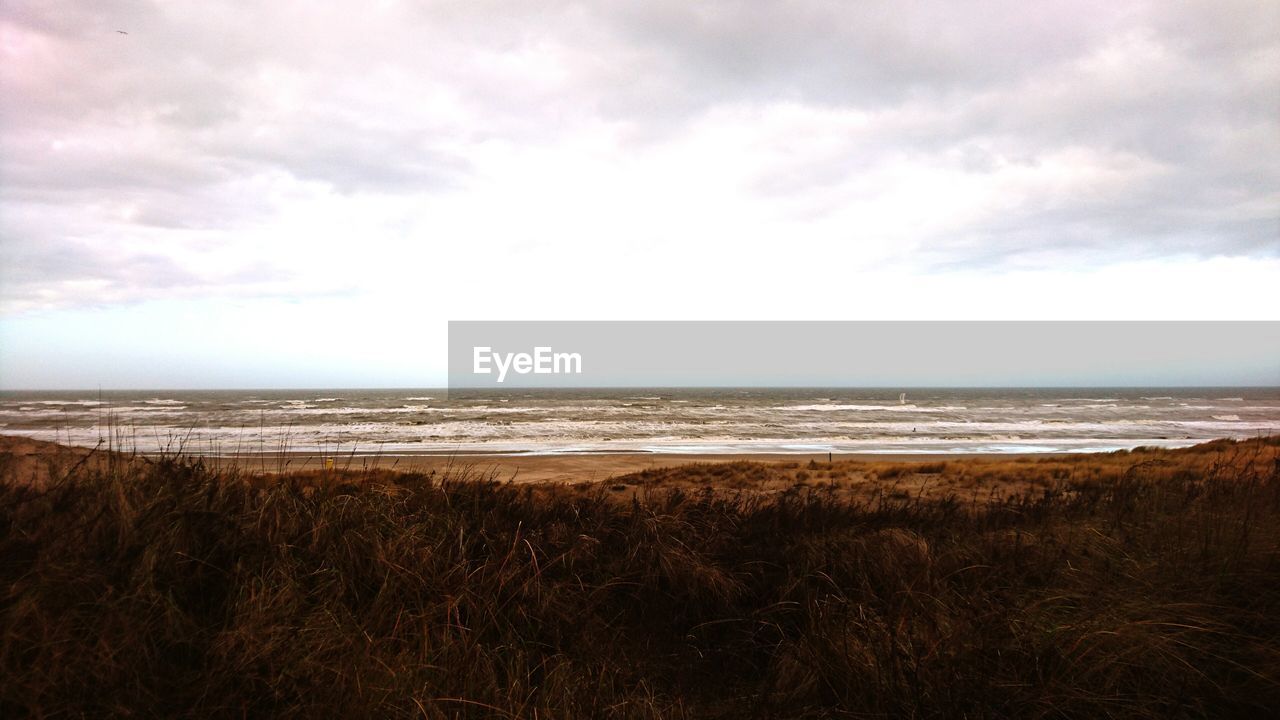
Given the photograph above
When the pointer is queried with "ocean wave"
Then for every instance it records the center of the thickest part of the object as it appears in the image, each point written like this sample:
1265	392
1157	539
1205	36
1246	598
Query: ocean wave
229	442
874	408
331	410
147	409
854	408
742	420
28	412
1248	426
87	403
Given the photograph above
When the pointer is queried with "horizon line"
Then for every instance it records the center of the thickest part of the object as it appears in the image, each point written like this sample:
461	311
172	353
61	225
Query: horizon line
446	389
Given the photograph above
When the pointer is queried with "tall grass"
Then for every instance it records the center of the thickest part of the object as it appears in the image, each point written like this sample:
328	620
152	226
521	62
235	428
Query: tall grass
170	588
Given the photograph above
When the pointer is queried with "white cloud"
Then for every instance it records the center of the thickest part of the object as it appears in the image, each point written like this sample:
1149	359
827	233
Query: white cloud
468	159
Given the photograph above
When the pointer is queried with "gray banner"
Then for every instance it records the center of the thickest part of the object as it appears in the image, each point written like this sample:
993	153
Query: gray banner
585	354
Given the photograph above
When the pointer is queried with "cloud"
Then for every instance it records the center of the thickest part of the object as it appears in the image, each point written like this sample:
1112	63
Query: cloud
297	150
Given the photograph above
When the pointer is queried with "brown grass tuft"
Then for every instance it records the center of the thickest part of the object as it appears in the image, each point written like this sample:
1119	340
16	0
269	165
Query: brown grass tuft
1142	584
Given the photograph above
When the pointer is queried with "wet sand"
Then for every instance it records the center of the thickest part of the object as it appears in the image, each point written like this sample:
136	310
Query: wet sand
26	456
584	467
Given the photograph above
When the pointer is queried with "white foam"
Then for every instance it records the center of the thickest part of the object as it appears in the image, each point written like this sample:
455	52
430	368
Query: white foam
87	403
750	421
874	408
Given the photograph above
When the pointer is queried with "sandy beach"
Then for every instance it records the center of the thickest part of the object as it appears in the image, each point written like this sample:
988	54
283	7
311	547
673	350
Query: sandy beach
584	467
27	455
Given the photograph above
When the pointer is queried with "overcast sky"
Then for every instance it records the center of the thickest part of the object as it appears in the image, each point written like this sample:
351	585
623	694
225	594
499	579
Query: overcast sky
301	194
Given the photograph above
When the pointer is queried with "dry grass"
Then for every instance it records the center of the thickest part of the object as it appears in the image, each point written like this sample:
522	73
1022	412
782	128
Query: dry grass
984	478
1142	584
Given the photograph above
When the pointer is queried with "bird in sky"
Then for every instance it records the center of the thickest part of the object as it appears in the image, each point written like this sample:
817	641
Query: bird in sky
122	32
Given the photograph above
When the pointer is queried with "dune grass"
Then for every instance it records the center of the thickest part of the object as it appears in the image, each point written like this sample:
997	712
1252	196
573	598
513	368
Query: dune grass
1149	588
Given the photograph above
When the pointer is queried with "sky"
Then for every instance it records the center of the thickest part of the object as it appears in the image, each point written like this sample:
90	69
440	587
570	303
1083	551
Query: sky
295	194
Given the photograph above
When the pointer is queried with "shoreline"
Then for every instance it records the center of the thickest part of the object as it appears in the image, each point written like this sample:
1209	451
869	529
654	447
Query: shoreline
571	467
518	467
574	468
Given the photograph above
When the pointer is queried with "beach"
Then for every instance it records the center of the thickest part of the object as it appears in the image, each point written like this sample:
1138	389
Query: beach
571	436
32	456
629	424
849	476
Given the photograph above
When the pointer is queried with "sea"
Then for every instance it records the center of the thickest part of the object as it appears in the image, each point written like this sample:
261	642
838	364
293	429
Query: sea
658	420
